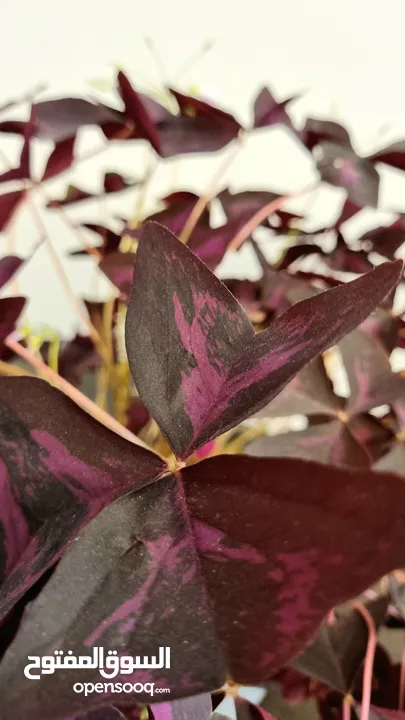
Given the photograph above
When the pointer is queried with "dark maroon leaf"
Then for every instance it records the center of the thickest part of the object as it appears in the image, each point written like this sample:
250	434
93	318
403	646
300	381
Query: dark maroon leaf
162	567
330	443
9	264
60	159
267	111
334	656
344	259
10	310
194	708
393	155
195	357
296	252
309	393
249	201
136	110
200	127
59	469
174	216
61	119
349	210
317	131
136	416
14	127
385	240
113	182
340	166
75	358
111	240
23	171
8	205
119	268
371	379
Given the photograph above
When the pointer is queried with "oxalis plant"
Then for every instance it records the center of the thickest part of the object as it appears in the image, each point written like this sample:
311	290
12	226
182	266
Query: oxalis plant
161	510
232	562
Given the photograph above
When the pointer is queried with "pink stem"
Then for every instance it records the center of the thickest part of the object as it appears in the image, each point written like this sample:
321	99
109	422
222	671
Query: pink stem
76	395
264	212
369	660
203	201
401	697
60	270
346	709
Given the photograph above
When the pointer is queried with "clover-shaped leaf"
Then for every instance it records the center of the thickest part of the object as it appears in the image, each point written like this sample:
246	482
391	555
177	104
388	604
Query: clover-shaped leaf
195	358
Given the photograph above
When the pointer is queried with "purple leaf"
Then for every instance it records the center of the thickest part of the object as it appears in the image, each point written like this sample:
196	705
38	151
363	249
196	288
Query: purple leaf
194	708
136	110
111	240
113	183
60	159
340	166
174	216
162	567
393	155
309	393
334	656
331	444
9	203
196	361
119	268
61	119
348	211
267	111
9	264
247	201
318	131
385	240
23	171
59	468
344	259
10	310
371	379
200	127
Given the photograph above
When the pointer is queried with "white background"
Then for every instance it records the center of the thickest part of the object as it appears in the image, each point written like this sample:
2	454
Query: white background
347	58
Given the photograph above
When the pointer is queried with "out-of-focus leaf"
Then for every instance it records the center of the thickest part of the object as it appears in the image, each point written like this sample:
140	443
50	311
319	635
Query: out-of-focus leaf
393	155
62	118
9	203
335	654
119	268
10	310
195	356
267	111
60	159
339	165
330	443
371	379
136	110
200	127
317	131
9	264
113	183
385	240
